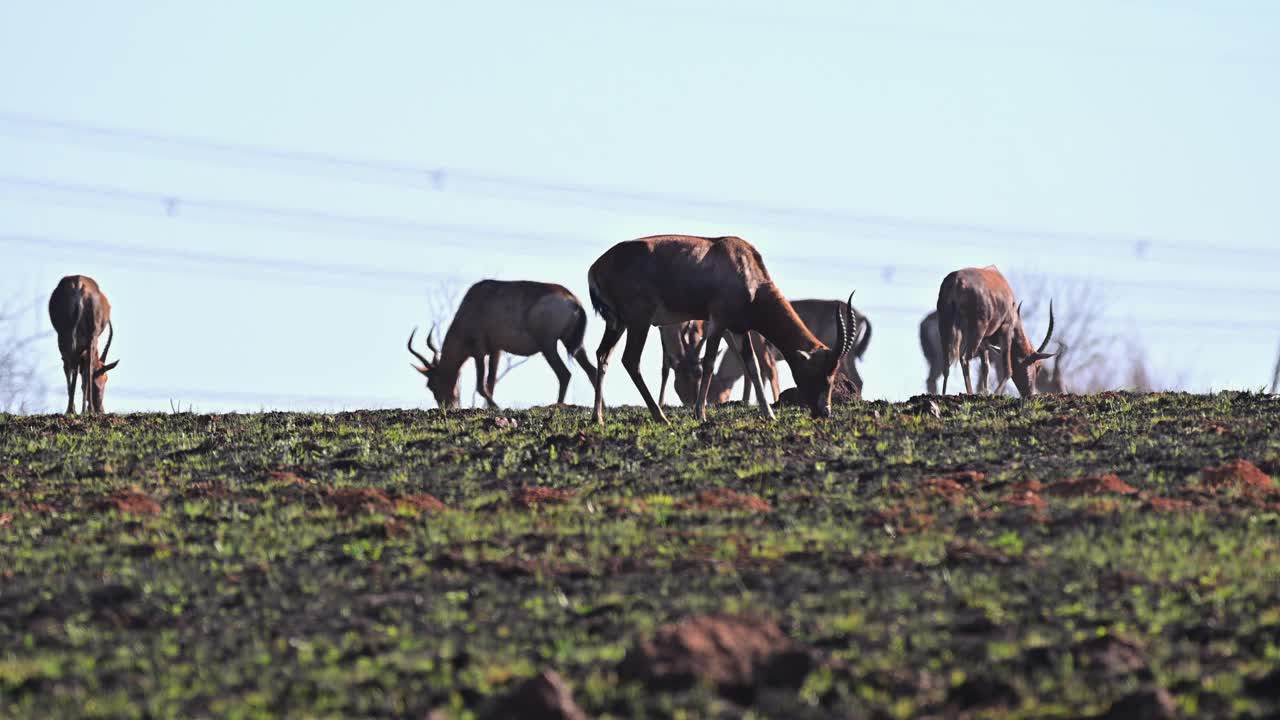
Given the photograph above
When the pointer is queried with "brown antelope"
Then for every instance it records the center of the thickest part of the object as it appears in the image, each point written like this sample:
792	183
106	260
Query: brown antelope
682	352
79	313
681	344
495	316
668	279
931	347
976	310
822	317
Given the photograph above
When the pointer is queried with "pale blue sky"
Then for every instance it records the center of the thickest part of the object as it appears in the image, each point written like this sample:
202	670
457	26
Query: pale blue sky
1086	128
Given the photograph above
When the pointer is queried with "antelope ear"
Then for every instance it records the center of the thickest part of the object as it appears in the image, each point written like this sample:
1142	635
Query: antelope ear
419	368
804	355
106	368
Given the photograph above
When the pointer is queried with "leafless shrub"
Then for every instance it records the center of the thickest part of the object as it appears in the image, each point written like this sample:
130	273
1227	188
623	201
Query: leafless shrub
21	389
1091	359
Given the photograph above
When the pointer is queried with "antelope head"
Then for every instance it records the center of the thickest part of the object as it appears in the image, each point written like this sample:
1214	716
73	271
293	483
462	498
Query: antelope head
445	392
100	369
815	371
1027	367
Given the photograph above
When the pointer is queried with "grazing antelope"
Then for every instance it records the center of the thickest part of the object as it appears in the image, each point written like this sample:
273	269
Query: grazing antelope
682	350
495	316
931	346
668	279
976	309
822	318
79	313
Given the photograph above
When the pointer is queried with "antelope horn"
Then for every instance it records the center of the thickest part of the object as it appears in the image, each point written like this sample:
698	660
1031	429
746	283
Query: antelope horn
697	349
851	338
426	365
1040	354
104	368
1048	335
431	344
111	334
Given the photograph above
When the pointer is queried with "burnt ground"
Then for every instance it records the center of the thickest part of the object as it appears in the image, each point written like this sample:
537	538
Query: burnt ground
1067	556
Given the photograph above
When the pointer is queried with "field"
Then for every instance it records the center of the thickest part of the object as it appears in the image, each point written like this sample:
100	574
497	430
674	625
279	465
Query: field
1065	556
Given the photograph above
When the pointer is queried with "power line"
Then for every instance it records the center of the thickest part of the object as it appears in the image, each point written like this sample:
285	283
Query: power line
178	205
303	272
442	178
299	270
531	244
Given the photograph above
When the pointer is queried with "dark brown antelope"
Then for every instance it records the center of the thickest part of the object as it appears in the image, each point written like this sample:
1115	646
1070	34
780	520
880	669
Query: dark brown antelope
681	347
79	313
822	317
682	352
977	310
668	279
518	317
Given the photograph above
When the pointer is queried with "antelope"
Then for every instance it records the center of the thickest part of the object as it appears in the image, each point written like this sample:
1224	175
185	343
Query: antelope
666	279
976	310
682	346
79	313
931	346
822	318
495	316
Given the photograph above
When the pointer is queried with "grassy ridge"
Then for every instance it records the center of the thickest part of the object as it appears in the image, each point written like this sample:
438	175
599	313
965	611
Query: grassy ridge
389	563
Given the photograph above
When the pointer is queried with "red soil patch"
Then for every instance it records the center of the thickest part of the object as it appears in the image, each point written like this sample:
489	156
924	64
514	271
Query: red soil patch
351	501
900	520
966	478
1024	499
282	477
1240	474
530	496
131	501
424	502
1159	503
963	552
945	487
726	499
1108	484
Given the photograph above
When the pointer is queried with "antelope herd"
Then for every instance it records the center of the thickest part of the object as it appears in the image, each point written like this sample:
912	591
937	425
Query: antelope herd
697	291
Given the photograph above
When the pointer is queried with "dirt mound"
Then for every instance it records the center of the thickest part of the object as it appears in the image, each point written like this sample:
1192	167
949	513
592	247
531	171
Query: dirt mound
355	500
1112	655
544	696
944	487
738	654
284	477
1239	474
963	552
1159	503
131	501
1151	703
726	499
423	501
1108	484
899	520
534	495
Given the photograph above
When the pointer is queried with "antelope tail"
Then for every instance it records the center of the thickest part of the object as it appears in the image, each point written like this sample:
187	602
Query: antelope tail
579	333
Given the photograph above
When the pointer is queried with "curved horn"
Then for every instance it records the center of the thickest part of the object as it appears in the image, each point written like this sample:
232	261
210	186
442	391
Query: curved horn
103	366
111	334
697	349
852	336
1048	335
426	365
1040	354
431	344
